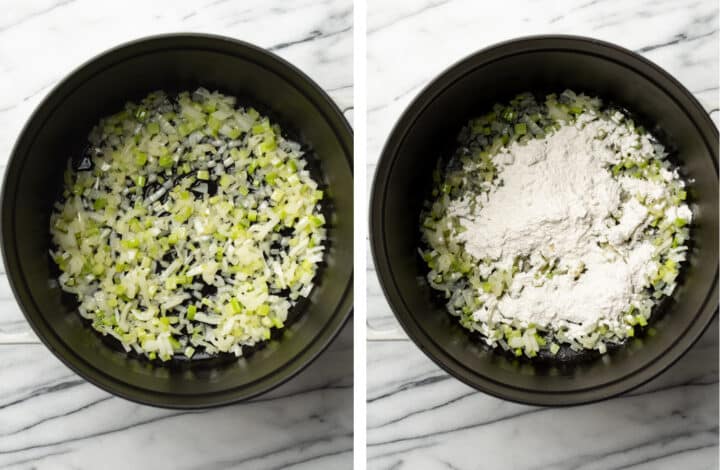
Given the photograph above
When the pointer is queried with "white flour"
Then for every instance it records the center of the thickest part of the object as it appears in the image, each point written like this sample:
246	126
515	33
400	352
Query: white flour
556	199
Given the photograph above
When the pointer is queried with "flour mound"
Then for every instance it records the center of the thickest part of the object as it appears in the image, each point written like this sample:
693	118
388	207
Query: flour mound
554	201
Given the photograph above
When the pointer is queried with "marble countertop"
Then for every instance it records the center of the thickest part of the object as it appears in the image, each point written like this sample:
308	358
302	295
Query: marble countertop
50	417
419	417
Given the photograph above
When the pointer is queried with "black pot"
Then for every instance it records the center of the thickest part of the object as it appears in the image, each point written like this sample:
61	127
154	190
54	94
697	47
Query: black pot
58	129
427	130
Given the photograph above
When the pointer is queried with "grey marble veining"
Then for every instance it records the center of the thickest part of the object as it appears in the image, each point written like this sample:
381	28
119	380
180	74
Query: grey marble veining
410	42
50	417
418	416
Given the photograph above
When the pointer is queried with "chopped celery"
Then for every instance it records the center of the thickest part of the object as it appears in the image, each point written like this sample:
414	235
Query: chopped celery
100	204
141	114
141	158
153	128
165	160
131	243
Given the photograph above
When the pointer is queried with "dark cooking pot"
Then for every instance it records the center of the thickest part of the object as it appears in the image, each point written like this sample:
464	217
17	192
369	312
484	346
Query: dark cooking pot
58	129
427	130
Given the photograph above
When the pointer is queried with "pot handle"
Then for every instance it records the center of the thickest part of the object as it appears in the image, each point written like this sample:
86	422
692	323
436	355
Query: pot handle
388	334
24	337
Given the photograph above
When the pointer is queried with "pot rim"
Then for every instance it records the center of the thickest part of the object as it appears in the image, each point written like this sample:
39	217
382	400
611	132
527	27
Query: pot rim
274	63
395	140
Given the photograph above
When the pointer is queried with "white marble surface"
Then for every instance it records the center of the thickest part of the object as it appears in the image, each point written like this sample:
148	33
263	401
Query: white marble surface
49	417
419	417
